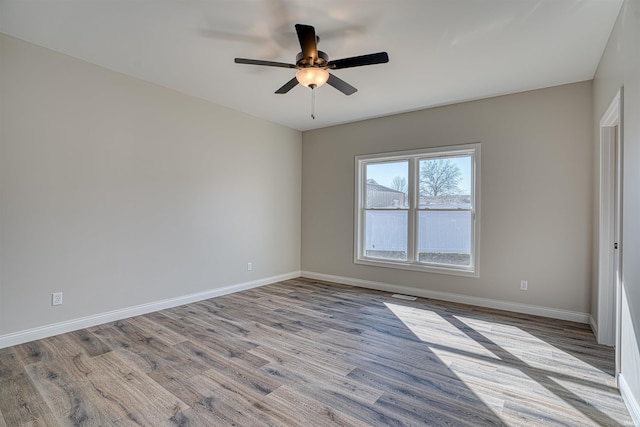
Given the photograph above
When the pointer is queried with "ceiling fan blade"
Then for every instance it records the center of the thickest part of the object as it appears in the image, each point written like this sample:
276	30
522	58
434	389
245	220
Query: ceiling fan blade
341	85
358	61
260	62
307	38
288	86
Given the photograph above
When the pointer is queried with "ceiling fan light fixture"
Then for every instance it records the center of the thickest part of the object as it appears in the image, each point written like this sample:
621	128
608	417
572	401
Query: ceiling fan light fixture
312	77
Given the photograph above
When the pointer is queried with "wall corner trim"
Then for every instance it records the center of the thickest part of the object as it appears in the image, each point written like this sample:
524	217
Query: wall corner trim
45	331
593	324
535	310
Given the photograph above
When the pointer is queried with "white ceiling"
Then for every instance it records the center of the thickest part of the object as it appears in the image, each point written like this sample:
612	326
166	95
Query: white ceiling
441	51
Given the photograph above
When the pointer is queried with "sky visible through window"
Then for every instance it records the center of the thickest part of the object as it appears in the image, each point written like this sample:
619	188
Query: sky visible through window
383	173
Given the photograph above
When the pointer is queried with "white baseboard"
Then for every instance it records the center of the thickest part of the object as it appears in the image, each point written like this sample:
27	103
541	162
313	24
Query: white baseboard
553	313
629	399
40	332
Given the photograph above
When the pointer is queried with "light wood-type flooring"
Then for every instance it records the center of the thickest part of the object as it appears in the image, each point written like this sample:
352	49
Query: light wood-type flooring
306	353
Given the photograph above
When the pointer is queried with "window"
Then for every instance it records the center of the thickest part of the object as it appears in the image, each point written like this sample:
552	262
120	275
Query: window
418	210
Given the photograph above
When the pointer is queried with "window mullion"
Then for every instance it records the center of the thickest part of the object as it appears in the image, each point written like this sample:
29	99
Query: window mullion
412	216
362	191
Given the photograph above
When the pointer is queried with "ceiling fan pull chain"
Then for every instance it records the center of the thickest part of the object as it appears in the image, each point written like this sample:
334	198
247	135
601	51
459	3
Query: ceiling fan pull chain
313	102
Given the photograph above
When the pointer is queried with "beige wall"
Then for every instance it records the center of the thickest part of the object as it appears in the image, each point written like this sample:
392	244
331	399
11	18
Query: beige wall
119	192
536	194
620	66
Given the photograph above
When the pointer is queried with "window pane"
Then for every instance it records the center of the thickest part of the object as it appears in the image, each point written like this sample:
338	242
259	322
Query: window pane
445	183
444	237
386	234
387	185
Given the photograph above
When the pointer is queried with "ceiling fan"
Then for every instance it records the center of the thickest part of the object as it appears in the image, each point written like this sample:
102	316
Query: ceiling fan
312	64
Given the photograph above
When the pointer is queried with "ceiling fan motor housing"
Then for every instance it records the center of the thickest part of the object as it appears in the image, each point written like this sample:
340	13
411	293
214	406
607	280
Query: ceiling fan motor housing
320	61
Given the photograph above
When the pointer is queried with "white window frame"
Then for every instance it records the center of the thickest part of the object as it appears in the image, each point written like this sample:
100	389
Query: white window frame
413	157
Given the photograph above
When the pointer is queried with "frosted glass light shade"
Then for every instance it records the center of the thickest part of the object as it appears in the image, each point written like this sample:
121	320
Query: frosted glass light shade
312	76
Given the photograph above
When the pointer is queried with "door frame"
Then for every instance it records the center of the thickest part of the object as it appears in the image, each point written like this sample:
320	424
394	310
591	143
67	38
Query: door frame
610	226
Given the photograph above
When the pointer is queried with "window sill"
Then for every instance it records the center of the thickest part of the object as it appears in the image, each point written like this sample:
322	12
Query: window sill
454	271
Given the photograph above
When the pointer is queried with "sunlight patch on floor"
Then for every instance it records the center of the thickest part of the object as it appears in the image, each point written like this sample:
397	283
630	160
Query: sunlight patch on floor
603	400
489	381
433	329
493	359
538	354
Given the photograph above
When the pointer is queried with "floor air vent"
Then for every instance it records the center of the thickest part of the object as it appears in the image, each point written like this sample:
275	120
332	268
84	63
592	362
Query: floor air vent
407	297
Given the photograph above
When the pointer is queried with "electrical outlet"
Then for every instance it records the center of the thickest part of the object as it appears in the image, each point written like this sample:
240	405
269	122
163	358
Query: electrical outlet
56	298
523	285
249	266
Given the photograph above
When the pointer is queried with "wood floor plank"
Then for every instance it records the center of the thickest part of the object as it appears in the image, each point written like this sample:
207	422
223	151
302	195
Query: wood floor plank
222	401
20	401
367	352
102	391
204	335
307	411
151	328
235	369
201	394
199	318
308	376
457	404
65	345
72	400
144	351
131	391
10	364
310	353
299	347
91	344
30	352
188	418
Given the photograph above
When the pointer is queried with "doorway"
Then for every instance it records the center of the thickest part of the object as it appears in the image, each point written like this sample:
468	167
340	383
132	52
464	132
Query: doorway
610	226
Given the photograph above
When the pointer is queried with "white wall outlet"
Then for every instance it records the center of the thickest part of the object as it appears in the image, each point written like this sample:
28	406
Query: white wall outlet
523	285
56	298
249	266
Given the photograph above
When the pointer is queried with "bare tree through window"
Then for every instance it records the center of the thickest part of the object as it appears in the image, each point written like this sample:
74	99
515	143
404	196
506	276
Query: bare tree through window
439	177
